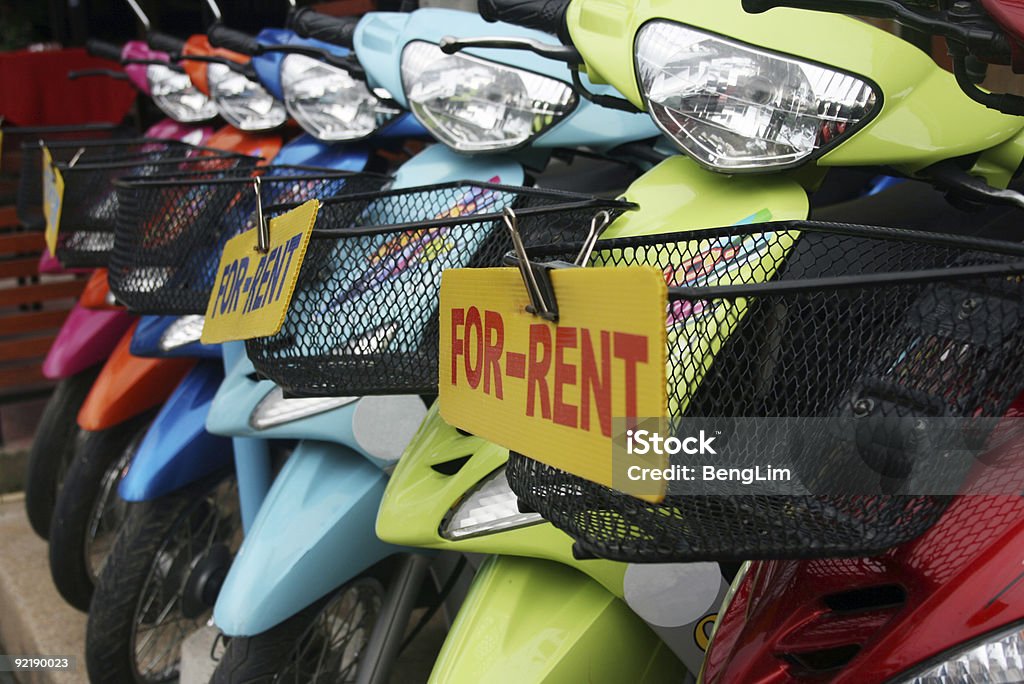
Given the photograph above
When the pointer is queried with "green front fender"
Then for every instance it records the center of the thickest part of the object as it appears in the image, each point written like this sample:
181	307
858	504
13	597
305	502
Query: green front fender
529	620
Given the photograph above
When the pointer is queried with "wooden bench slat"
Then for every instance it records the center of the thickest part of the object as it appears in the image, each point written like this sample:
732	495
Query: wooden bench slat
22	375
25	348
8	215
35	320
13	243
28	294
19	268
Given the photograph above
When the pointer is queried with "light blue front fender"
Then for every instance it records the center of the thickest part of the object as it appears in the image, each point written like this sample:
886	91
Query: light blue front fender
313	533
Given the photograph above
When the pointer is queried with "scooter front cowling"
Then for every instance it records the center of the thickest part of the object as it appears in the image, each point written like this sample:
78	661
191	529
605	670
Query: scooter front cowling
531	620
313	533
171	336
87	337
129	385
177	449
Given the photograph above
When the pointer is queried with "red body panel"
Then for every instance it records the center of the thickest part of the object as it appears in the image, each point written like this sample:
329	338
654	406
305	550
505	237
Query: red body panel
129	385
962	579
1010	15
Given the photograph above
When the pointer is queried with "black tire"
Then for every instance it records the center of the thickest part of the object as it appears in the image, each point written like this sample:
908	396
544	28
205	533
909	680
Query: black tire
53	448
278	654
89	483
147	558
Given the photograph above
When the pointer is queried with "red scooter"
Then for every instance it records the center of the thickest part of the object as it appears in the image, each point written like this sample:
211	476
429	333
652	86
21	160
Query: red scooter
945	607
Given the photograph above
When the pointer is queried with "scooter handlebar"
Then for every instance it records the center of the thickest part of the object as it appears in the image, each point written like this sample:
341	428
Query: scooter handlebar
543	15
103	49
222	36
337	30
165	43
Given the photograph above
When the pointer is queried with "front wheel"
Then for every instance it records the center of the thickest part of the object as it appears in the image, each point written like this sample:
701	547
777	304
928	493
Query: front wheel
160	583
53	448
323	643
89	512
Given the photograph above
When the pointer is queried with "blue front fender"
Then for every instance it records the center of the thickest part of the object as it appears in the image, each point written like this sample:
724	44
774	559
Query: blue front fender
177	449
313	533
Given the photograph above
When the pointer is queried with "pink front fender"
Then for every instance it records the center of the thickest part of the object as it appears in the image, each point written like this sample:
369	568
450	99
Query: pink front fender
87	338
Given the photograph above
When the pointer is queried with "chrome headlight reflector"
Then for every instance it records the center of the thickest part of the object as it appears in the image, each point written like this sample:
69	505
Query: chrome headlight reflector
274	409
174	94
997	658
491	507
329	103
244	103
184	330
474	105
733	107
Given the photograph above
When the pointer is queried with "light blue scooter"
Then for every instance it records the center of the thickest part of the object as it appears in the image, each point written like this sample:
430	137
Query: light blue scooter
311	558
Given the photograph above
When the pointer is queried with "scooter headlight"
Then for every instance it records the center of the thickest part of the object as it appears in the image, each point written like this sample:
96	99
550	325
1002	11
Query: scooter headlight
329	103
185	330
244	103
174	94
474	105
996	658
274	409
491	507
733	107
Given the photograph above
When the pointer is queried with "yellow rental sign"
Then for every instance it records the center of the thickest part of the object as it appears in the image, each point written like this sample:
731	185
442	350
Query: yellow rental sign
253	290
53	199
556	392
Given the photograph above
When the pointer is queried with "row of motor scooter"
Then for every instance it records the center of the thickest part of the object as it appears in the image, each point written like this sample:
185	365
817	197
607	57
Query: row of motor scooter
835	217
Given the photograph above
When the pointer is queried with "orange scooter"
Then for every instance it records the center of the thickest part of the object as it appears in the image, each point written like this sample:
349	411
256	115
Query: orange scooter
134	382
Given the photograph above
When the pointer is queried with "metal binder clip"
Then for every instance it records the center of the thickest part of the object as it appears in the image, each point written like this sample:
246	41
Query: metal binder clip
78	155
598	224
535	276
262	227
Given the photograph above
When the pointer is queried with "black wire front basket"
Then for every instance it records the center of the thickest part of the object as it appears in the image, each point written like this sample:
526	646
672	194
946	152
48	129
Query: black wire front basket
22	155
171	229
363	319
801	321
89	208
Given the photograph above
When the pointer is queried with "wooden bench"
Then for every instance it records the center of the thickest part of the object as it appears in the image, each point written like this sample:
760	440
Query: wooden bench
32	309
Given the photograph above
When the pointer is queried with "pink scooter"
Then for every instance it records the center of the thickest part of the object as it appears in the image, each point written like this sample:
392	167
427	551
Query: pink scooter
94	327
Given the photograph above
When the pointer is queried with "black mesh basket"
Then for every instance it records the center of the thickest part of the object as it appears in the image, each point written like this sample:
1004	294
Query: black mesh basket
89	209
802	321
363	319
171	229
22	155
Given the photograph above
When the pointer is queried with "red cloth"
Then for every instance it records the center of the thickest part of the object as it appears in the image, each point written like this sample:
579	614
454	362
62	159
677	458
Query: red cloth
35	89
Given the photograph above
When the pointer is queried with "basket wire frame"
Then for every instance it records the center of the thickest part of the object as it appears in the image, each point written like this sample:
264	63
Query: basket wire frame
23	155
171	230
363	319
90	202
802	320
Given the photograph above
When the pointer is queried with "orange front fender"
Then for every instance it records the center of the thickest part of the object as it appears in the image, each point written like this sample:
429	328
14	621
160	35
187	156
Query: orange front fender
129	385
96	294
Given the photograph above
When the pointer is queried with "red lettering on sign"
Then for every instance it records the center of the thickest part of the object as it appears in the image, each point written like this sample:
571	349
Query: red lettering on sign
596	382
474	327
632	349
537	370
565	375
458	344
515	365
494	328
